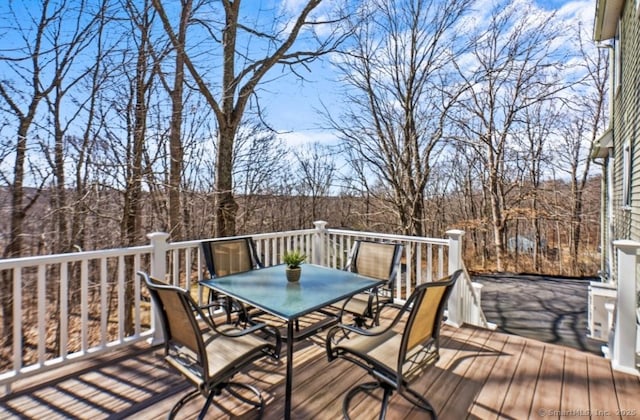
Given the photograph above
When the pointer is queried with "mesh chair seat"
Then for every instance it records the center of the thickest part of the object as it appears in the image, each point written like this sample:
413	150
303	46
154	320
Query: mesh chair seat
223	355
359	305
382	347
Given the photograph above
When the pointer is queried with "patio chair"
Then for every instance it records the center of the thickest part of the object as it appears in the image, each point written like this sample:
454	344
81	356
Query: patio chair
224	257
206	355
379	260
396	358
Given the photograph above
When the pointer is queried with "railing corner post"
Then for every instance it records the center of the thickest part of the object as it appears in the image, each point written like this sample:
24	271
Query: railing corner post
159	254
623	354
319	251
158	270
455	249
455	304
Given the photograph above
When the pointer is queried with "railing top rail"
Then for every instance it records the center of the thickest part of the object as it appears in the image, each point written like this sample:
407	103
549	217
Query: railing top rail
419	239
10	263
257	236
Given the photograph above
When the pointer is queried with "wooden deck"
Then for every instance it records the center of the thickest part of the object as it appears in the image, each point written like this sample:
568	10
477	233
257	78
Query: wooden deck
481	375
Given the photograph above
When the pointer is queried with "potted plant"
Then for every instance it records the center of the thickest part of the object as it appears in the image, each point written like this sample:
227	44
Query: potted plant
293	259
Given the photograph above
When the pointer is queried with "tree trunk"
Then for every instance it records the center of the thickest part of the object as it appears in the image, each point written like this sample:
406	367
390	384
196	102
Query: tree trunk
14	248
226	206
175	137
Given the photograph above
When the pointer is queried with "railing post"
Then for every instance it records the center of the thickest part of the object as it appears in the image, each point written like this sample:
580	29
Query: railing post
158	270
319	251
455	304
624	339
475	316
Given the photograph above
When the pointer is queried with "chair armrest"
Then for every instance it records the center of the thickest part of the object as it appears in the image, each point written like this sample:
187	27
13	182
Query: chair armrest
347	329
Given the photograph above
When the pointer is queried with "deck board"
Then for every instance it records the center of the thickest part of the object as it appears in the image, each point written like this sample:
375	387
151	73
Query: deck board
522	387
575	386
481	374
483	363
488	403
600	380
548	386
627	394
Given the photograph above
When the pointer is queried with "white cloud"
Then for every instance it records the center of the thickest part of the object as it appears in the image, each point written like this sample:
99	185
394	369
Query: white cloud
300	138
578	11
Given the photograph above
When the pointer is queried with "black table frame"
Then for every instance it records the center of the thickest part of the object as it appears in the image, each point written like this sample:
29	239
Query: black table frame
344	283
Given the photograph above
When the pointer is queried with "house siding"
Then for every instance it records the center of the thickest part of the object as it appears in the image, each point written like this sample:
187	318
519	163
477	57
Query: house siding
626	126
623	342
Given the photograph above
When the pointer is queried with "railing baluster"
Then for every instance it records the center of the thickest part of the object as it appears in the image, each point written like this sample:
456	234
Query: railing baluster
429	263
409	261
419	272
200	275
104	294
136	294
42	313
84	306
64	309
175	267
17	318
121	298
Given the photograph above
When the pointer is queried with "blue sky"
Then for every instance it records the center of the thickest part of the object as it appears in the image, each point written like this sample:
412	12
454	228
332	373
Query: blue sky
292	104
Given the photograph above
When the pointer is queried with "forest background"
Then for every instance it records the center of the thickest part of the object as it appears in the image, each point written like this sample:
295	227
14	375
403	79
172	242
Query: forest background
123	117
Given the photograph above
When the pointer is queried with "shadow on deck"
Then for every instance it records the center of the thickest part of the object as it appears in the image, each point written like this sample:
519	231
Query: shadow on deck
481	374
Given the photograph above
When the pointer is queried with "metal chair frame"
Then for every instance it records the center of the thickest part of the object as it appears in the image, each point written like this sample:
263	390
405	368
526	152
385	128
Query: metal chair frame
215	299
374	303
419	345
187	350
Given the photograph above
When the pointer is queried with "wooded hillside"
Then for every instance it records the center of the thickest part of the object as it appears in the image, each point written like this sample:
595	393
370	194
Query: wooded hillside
264	213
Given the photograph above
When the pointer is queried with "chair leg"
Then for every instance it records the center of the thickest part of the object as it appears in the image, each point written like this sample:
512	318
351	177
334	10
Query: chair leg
385	401
412	396
207	404
418	400
258	404
365	387
185	399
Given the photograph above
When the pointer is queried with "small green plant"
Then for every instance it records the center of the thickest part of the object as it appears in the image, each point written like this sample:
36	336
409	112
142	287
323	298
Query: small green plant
293	259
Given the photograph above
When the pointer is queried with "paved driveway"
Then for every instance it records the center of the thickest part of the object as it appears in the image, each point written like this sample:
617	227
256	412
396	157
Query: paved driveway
549	309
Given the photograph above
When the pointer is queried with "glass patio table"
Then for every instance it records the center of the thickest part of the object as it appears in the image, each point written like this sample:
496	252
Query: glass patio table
268	289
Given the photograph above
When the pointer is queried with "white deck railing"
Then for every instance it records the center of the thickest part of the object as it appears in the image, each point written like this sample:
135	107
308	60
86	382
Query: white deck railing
72	306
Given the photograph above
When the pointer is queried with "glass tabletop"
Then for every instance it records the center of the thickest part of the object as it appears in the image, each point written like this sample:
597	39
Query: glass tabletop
269	290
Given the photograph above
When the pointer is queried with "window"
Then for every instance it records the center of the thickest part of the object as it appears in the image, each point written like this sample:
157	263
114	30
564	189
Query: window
617	67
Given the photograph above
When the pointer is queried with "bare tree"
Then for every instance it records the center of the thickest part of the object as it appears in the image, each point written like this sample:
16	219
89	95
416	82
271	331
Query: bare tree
137	114
583	121
34	68
21	98
315	172
82	146
259	160
540	123
71	36
396	99
274	44
176	149
514	64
